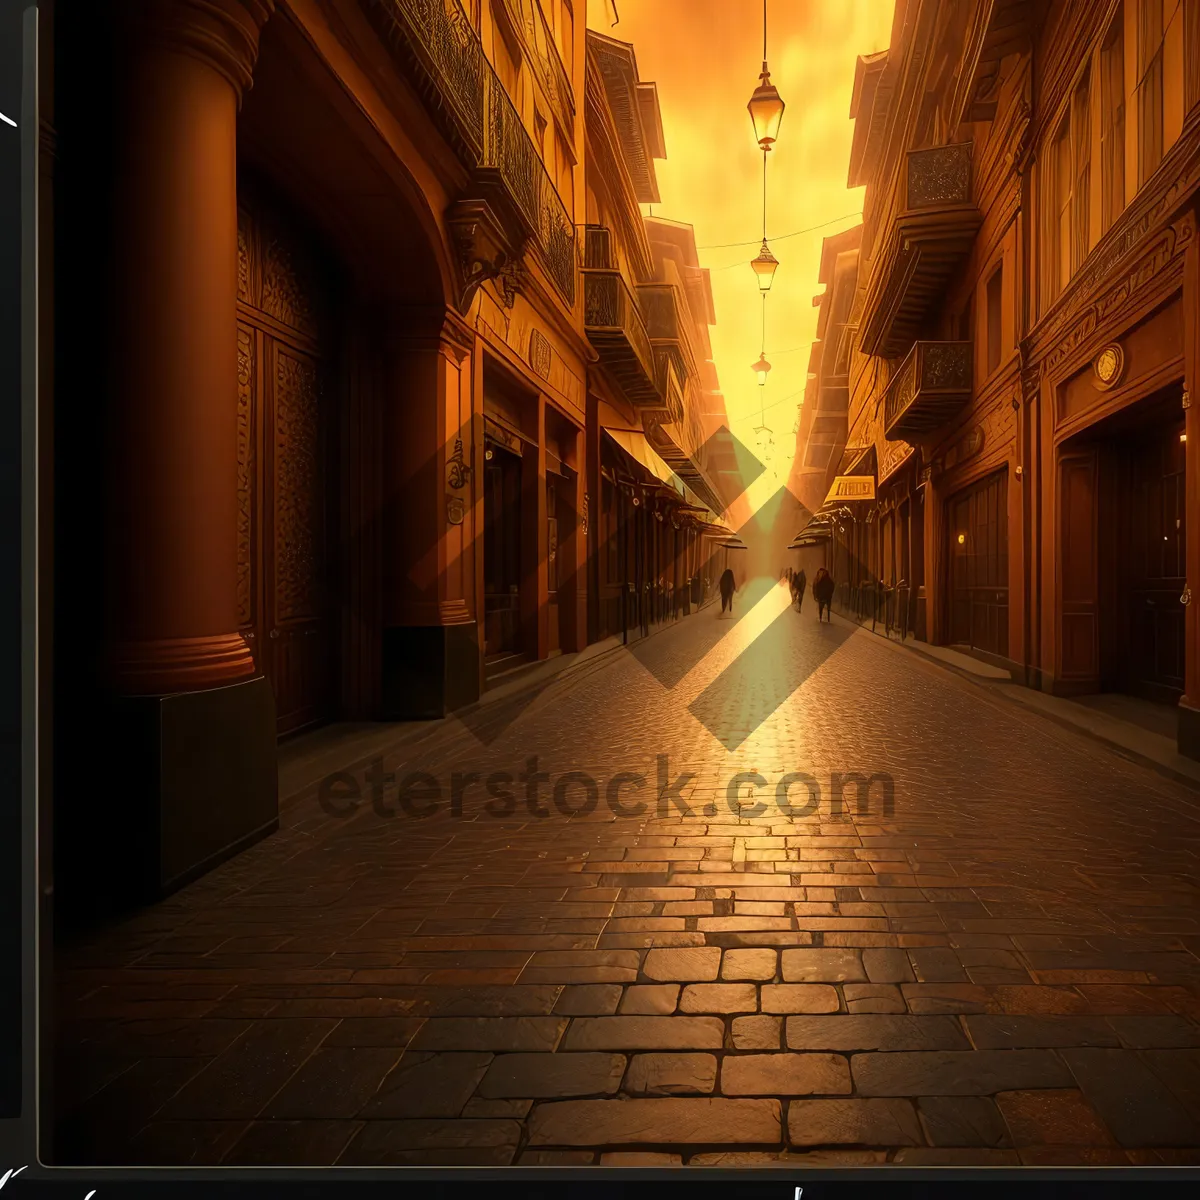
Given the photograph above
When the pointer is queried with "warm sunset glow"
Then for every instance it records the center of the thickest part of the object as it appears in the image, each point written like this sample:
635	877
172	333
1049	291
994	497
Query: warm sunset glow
706	57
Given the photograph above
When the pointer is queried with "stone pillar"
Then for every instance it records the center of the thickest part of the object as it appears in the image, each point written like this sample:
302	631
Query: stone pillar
172	599
431	654
1189	705
196	726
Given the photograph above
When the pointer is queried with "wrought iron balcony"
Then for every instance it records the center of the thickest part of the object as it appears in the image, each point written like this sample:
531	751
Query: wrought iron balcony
930	388
615	327
666	323
443	56
927	242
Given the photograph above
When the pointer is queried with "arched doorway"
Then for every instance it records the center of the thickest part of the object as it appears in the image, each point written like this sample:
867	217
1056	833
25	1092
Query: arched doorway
335	240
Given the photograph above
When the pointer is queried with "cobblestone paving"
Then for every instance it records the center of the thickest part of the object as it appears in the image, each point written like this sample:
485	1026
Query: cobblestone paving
1000	967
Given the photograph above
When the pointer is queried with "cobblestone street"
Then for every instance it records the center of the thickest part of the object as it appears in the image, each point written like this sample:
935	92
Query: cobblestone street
997	964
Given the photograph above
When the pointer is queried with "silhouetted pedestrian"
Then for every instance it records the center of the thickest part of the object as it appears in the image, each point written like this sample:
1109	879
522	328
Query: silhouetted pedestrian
799	583
727	587
823	592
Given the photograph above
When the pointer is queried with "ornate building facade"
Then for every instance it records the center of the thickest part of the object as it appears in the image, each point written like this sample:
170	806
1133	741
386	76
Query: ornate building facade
316	393
654	546
1025	342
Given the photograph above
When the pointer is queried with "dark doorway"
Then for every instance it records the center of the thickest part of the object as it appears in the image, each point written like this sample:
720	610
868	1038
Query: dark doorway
285	419
501	551
977	528
1151	571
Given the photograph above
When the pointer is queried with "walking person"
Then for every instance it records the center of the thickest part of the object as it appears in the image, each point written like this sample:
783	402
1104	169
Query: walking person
823	592
799	583
727	587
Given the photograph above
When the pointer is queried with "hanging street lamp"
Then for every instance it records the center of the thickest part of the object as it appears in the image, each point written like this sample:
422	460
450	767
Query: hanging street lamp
764	266
761	368
766	110
765	107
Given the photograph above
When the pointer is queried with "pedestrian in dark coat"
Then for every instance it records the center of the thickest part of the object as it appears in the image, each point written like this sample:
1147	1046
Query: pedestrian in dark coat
798	586
823	592
727	587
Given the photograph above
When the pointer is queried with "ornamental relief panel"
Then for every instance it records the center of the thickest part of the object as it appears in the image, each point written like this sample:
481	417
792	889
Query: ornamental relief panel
1157	271
1059	333
297	490
245	474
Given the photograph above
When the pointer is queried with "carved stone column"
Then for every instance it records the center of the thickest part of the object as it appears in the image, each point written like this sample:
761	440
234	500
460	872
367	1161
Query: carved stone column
431	663
172	450
194	737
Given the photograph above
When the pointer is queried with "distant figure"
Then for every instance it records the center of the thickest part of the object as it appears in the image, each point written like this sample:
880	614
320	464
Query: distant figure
727	586
823	592
799	583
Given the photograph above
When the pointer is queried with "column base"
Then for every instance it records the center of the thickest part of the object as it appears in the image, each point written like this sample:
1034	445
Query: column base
202	781
1188	738
429	671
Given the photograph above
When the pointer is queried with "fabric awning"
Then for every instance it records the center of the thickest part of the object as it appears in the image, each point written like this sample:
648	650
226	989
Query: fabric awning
633	442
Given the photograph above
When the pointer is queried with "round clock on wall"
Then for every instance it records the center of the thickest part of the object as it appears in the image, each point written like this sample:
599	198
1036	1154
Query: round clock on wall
1109	366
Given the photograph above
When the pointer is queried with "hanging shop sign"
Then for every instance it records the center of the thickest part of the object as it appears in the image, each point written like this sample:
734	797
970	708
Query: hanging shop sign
851	487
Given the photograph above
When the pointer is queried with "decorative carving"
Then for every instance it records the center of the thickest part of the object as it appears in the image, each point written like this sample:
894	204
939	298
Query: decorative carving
297	492
459	472
1109	367
245	474
288	280
245	287
584	519
455	510
941	175
1143	226
486	252
539	353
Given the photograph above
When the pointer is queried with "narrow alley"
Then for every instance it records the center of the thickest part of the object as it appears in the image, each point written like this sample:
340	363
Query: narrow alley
989	956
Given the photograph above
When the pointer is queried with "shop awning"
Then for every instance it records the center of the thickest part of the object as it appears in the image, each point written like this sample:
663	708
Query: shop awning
633	442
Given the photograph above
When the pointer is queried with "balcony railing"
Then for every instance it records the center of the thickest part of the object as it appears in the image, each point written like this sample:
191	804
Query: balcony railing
941	175
615	328
925	243
471	107
666	323
930	389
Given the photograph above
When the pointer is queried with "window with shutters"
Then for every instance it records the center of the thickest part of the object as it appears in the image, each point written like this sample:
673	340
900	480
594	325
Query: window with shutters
1150	87
1081	190
1112	125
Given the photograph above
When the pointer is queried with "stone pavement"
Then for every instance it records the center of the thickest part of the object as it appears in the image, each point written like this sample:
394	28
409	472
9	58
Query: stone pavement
992	961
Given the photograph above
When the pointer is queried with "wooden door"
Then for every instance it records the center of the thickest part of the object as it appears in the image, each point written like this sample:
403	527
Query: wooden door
502	551
285	594
1079	567
977	527
1156	573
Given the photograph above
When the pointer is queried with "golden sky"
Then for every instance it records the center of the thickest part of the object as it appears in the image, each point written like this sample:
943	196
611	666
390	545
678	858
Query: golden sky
705	56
